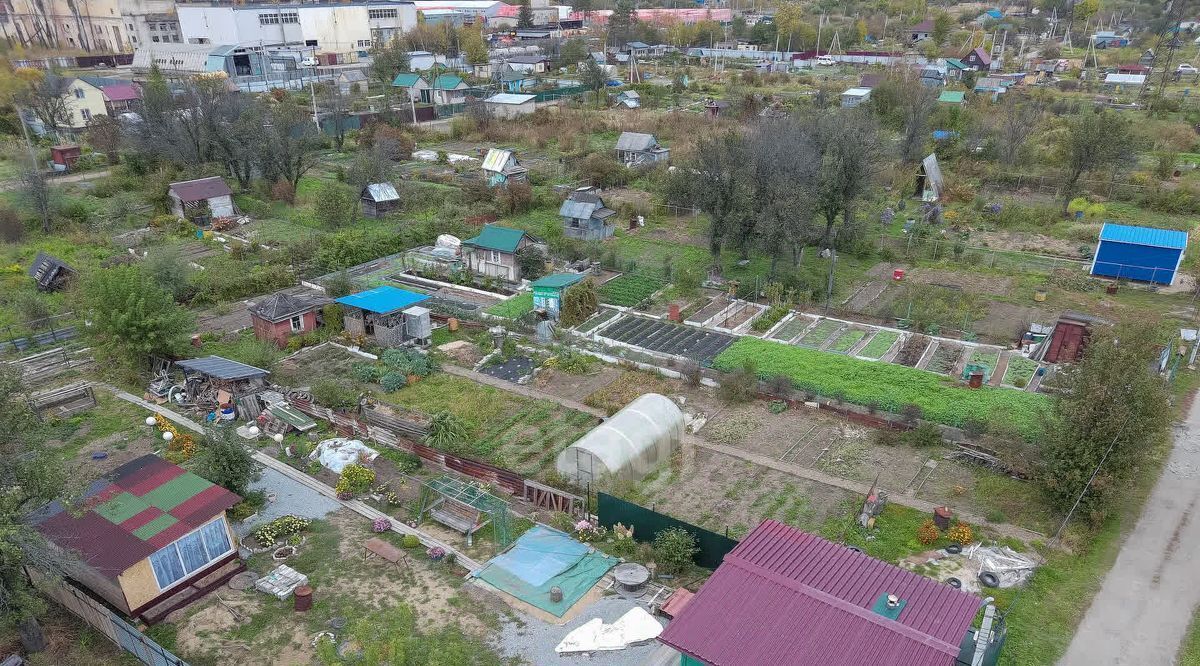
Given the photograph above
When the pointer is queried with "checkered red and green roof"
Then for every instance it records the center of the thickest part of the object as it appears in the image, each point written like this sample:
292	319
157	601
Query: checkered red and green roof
142	506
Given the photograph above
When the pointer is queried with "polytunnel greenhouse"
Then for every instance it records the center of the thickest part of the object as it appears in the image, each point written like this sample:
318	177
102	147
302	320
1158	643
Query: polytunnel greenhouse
628	445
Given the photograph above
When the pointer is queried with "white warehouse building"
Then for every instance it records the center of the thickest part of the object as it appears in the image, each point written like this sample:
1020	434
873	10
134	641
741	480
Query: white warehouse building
326	28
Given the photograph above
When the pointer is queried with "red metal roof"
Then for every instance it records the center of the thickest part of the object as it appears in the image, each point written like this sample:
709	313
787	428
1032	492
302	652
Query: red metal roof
201	189
786	597
112	534
121	92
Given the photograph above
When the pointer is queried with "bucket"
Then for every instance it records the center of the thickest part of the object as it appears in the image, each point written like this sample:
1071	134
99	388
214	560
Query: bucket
452	324
898	274
1111	288
673	313
975	380
1040	296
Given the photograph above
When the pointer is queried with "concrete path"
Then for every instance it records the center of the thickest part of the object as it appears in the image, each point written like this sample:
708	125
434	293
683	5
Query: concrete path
521	389
862	489
1142	611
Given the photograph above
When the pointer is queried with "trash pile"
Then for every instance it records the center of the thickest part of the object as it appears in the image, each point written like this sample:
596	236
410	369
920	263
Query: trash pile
1009	567
334	454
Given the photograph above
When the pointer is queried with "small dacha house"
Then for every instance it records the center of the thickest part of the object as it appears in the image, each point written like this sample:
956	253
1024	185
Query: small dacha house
280	316
500	167
548	291
49	272
201	199
585	216
389	315
638	149
379	199
148	538
494	251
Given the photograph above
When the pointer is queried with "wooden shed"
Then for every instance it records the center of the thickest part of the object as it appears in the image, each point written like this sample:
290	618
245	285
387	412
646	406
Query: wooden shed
148	538
379	199
201	199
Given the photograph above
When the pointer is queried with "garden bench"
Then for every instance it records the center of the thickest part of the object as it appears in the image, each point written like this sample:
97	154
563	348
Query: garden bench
458	516
385	551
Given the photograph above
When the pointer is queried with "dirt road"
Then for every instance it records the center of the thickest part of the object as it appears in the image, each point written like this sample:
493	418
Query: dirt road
1143	609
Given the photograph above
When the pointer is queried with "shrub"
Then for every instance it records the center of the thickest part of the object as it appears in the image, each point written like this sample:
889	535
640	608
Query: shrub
926	434
365	372
927	533
355	479
738	386
381	525
674	549
446	431
410	541
393	381
961	534
280	528
283	191
334	394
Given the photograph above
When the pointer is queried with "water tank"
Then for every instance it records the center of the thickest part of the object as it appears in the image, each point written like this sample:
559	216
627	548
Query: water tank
417	325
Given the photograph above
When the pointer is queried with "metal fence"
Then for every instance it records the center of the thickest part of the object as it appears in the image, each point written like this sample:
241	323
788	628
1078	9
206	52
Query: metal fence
940	249
106	622
1052	185
45	331
647	523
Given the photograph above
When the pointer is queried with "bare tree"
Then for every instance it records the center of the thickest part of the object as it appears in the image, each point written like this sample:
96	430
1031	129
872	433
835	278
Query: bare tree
337	105
46	98
235	130
919	102
104	133
1014	124
37	193
1093	141
290	140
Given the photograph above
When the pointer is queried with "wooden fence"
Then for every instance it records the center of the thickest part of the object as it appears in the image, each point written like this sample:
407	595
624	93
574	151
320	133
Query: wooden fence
100	618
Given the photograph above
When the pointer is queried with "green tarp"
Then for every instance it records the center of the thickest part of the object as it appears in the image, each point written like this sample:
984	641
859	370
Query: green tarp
544	558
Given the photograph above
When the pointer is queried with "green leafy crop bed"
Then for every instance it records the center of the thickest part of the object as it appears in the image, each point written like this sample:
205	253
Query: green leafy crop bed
880	344
513	307
628	290
889	387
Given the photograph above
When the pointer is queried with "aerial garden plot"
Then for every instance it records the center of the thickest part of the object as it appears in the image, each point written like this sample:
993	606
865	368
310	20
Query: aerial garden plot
667	338
879	344
819	334
793	327
629	290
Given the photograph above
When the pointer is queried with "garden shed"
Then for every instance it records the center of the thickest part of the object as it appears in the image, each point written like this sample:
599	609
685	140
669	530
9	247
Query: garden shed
379	199
548	291
50	272
585	216
388	314
500	167
628	445
1139	253
201	199
929	180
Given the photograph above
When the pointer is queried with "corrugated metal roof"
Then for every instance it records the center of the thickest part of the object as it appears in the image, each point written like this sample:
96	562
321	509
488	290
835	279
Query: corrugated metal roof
496	159
406	80
508	98
858	92
221	368
1125	79
447	82
382	300
1124	233
558	280
786	597
201	189
952	96
382	192
636	141
282	306
140	507
495	237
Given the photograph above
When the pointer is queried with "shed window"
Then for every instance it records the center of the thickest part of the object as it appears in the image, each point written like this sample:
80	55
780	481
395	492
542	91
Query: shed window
190	553
494	257
297	323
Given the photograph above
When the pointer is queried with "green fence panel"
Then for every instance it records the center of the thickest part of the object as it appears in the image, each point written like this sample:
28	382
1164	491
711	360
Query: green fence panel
647	523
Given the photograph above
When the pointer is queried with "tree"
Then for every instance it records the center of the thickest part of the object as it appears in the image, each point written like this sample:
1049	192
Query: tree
168	270
942	25
389	59
337	205
1013	126
532	262
584	7
1093	141
337	108
104	133
620	24
45	95
225	461
573	52
1112	402
849	145
919	103
594	78
784	161
719	184
32	475
579	302
525	15
288	148
471	42
132	317
236	131
674	549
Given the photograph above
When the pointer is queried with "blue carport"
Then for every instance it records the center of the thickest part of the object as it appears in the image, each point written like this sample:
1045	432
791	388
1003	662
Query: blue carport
1144	254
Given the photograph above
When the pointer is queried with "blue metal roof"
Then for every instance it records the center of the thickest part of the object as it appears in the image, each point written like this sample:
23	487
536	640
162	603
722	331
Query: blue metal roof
1123	233
382	300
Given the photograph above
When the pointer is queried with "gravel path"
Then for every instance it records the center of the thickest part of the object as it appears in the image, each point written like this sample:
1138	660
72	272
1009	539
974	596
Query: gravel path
534	640
291	497
1141	613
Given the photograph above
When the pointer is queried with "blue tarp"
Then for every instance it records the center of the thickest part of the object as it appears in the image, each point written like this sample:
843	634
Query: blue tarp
544	558
383	299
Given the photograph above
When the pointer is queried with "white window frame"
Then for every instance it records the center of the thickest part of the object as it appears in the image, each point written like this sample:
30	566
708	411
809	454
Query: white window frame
382	13
494	256
268	19
187	574
289	17
85	114
79	93
297	323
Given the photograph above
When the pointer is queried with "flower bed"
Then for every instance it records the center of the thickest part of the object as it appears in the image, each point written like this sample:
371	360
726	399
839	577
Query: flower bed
847	340
880	344
628	290
819	334
889	387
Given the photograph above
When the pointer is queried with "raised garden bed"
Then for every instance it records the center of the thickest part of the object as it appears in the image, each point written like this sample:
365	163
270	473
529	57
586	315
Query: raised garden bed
879	344
510	370
596	320
985	356
792	328
513	307
1019	368
708	311
668	338
739	316
945	357
846	341
629	290
819	333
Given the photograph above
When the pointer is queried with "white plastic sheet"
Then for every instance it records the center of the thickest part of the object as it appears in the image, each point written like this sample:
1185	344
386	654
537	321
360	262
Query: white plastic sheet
635	626
334	454
1011	568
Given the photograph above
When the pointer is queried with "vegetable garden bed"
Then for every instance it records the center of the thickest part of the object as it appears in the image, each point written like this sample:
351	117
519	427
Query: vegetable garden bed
669	338
945	357
986	356
888	386
513	307
596	320
629	290
846	341
819	334
792	328
879	345
1019	367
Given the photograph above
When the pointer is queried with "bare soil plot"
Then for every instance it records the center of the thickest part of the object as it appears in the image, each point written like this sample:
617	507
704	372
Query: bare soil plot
668	338
709	311
945	358
740	316
575	387
969	282
316	363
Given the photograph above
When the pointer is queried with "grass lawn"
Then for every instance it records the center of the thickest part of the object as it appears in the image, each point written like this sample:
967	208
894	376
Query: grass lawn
1189	652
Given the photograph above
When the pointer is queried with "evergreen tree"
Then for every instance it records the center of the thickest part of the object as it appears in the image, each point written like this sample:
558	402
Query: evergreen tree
525	15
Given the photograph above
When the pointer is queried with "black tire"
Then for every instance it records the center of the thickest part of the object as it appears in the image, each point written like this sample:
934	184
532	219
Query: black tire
989	579
855	549
954	583
954	549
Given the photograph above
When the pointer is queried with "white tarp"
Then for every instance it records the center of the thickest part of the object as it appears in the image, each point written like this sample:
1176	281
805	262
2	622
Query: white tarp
635	626
334	454
1010	567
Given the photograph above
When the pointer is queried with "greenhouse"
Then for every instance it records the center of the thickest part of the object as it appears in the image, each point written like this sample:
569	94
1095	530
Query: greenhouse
628	445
